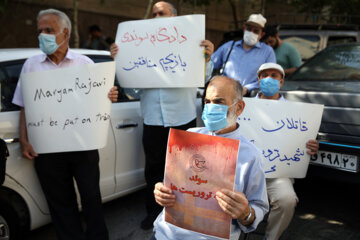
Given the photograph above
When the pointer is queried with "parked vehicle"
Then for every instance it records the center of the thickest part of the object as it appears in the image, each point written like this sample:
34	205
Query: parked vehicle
22	204
308	39
311	39
332	78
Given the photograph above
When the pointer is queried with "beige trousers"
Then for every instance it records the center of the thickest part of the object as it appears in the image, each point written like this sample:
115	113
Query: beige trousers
283	201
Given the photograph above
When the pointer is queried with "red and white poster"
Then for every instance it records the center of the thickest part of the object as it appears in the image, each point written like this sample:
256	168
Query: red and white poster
197	166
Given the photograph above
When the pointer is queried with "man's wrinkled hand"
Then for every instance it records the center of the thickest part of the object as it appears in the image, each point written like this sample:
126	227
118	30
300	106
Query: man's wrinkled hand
113	50
235	204
163	195
209	49
313	146
113	94
28	151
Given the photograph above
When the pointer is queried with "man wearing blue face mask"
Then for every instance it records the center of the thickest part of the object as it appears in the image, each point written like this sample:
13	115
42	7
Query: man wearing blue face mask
247	203
280	191
57	171
244	57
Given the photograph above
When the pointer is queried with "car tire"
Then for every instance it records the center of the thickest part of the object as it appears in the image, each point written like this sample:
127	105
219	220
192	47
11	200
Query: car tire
9	223
14	221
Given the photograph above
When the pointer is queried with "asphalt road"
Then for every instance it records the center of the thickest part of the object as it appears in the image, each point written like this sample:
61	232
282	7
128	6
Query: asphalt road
327	211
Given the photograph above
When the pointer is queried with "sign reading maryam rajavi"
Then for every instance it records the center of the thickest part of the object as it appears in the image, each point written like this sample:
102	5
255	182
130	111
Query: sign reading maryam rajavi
197	166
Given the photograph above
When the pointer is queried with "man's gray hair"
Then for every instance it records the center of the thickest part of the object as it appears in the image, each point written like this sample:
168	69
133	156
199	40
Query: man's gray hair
238	89
64	20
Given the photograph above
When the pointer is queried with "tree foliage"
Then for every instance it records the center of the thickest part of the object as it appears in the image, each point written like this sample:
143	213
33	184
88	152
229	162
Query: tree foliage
3	4
331	7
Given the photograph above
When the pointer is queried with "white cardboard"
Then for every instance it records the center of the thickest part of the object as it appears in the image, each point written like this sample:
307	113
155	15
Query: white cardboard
161	52
280	129
68	109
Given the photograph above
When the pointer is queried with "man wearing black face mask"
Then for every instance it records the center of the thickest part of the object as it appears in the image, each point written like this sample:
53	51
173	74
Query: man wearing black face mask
57	171
247	203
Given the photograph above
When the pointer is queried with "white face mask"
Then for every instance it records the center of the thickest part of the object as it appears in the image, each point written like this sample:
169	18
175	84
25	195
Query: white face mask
250	38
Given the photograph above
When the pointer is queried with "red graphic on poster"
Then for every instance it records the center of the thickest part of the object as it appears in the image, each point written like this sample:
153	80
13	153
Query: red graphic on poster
197	166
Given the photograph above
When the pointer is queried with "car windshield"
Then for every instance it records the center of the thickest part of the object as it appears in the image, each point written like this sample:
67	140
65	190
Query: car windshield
334	63
307	45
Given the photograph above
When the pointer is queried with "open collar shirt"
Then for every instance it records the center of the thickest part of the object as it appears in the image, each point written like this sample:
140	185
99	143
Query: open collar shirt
42	62
170	107
258	95
243	64
249	179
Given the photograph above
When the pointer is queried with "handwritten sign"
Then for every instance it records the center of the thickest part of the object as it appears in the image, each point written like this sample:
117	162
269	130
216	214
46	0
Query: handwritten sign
281	129
161	52
197	166
68	109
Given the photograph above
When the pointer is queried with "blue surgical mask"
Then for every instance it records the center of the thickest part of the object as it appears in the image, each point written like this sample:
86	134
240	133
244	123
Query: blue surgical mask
269	86
48	43
214	116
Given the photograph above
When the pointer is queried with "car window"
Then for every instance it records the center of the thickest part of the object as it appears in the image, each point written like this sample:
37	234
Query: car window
125	94
9	75
307	45
338	64
332	40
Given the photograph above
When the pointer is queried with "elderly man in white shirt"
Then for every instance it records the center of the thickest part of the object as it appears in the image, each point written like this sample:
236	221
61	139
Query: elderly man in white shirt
57	171
247	203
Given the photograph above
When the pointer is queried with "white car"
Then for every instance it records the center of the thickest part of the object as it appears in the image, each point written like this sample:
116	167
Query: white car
22	203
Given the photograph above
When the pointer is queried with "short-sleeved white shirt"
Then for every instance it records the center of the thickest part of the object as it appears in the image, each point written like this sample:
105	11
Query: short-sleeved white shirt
42	62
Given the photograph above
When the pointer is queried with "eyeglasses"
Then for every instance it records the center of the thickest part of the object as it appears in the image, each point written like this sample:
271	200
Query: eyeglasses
255	30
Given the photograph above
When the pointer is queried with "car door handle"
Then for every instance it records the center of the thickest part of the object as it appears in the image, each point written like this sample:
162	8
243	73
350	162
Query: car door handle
11	140
127	125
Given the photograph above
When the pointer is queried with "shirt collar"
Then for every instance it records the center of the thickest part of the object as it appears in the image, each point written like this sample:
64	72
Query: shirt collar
240	43
69	56
258	95
237	130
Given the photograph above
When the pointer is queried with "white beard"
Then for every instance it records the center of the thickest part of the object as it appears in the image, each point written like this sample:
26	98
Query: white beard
231	118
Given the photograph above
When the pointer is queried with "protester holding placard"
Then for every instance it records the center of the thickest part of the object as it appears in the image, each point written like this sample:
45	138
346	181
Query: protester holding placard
241	59
247	203
57	171
162	109
282	196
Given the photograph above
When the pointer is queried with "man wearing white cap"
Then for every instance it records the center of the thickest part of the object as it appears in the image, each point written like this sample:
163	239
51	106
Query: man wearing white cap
245	56
280	191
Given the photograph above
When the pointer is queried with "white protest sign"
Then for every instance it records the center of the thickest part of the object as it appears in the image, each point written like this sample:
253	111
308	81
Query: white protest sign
280	129
68	109
161	52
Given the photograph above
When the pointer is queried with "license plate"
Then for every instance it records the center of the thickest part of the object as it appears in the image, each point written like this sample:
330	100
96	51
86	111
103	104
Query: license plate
340	161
